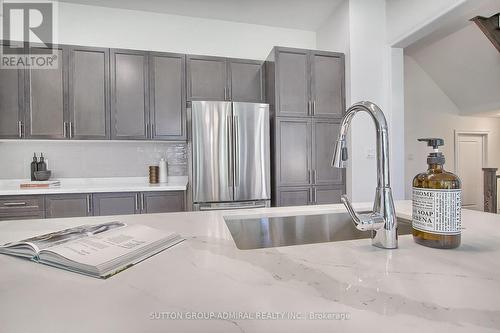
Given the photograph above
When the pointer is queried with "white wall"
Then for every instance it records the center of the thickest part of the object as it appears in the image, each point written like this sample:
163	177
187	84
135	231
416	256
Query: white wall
429	112
121	28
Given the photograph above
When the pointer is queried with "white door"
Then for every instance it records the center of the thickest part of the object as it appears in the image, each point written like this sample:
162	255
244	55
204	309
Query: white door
470	160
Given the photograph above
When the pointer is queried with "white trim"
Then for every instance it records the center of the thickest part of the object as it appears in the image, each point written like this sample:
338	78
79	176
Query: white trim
483	134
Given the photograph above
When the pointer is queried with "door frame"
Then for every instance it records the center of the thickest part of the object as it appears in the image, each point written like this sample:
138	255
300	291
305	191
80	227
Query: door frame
458	133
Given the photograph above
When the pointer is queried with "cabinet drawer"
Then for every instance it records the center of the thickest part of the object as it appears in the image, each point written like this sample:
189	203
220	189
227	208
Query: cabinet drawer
16	204
22	215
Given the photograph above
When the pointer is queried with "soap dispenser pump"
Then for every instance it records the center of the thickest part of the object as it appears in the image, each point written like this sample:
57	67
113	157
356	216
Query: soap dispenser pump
437	201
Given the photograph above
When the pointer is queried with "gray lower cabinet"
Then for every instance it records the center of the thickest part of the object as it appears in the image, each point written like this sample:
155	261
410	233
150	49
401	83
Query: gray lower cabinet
327	84
167	96
116	203
46	100
88	93
207	78
293	196
22	207
293	151
246	80
129	95
11	103
68	205
323	195
162	202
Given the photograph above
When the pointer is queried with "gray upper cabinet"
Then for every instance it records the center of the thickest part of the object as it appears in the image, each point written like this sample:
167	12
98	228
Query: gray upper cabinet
88	93
293	151
46	100
207	78
167	96
116	204
162	202
246	80
292	79
68	205
129	95
327	84
11	103
325	133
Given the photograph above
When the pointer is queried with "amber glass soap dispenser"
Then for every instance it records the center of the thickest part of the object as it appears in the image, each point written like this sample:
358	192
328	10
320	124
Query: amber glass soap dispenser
437	200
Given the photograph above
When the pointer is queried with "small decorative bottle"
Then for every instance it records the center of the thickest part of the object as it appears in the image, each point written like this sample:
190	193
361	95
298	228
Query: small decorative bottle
437	200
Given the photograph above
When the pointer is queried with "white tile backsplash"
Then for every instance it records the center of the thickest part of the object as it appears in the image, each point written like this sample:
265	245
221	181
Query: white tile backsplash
77	159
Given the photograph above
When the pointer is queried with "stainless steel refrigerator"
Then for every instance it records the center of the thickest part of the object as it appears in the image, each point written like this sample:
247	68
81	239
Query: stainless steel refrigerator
230	155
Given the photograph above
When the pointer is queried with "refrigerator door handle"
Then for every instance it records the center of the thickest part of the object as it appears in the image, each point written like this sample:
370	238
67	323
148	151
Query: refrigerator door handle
230	145
236	151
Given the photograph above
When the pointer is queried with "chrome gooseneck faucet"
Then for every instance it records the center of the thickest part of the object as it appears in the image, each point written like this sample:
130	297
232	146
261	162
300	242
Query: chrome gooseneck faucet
382	220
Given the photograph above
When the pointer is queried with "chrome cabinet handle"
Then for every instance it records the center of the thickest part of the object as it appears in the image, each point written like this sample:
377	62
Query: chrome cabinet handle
315	179
14	204
308	108
314	107
315	193
225	93
137	201
151	130
65	129
147	130
310	196
142	202
89	204
20	129
70	129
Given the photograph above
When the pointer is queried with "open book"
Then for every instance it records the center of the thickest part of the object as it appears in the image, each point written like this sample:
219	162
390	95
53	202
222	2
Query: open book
100	250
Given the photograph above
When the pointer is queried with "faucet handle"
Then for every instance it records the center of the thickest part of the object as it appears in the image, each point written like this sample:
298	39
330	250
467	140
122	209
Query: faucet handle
363	222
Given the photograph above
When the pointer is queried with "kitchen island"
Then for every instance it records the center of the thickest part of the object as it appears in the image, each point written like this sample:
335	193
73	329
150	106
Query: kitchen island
347	286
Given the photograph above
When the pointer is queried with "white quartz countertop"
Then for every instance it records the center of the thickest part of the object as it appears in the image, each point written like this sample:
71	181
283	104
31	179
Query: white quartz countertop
409	289
95	185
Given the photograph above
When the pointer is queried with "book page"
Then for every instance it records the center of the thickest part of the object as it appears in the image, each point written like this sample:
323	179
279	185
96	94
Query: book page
67	235
102	248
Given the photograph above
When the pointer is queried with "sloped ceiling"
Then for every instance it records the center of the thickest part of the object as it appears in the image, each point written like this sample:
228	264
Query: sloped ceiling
466	66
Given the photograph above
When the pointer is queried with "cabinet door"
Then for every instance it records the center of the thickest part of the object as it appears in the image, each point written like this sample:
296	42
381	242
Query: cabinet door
68	205
207	78
294	196
325	133
327	84
162	202
46	100
129	95
88	93
11	103
167	96
115	204
247	80
323	195
292	71
294	151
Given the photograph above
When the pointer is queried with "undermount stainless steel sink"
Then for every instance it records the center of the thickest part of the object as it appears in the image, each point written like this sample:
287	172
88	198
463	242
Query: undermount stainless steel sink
263	232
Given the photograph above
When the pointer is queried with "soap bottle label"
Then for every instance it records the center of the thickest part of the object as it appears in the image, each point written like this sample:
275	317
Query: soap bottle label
437	211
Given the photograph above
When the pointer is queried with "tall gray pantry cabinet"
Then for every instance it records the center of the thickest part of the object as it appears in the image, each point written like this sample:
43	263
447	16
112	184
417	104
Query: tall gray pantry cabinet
306	93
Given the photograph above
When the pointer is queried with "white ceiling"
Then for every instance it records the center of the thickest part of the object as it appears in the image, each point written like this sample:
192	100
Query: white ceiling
295	14
466	66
